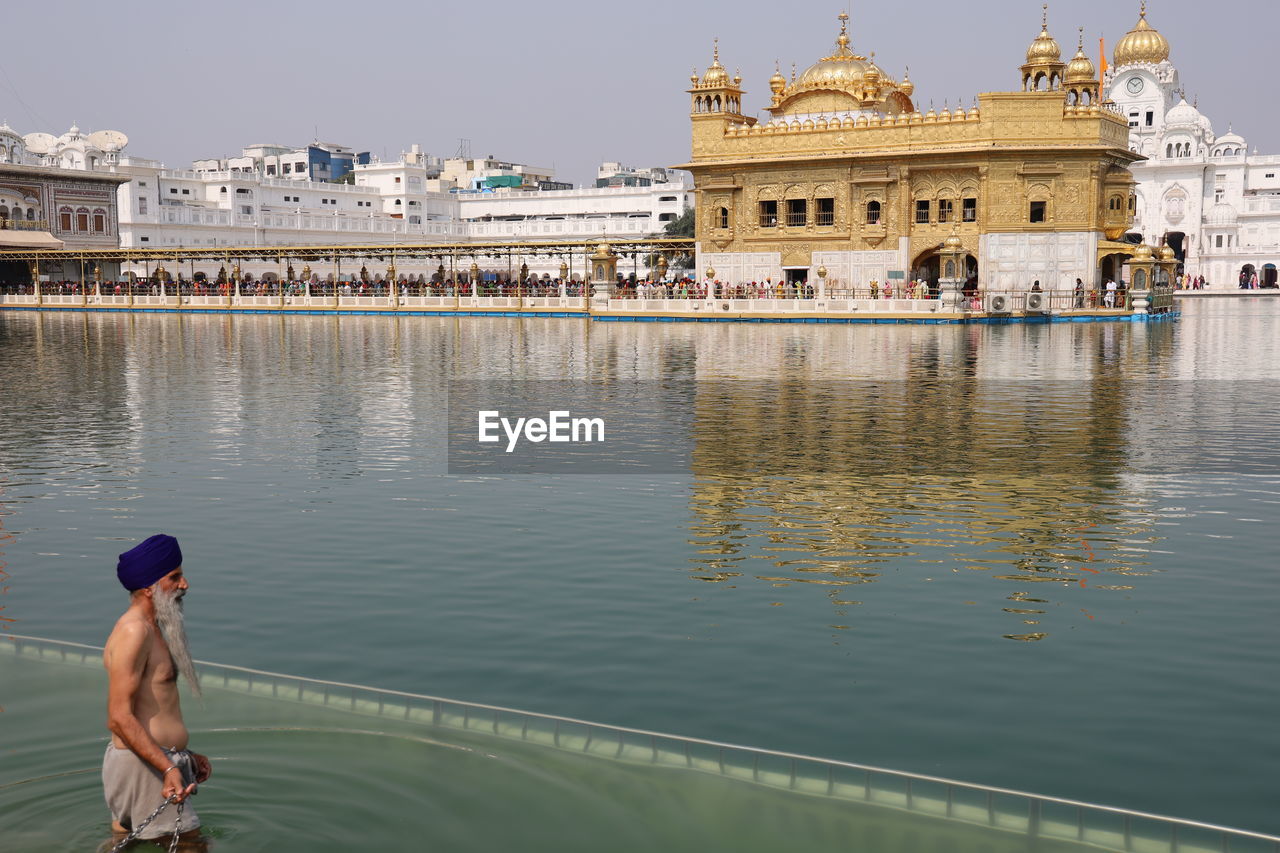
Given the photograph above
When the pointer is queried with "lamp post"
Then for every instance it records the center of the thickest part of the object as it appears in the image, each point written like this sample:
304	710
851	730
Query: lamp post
822	282
711	282
391	283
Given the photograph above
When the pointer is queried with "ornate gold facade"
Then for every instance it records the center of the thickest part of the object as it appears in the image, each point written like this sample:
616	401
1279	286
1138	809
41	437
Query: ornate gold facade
846	162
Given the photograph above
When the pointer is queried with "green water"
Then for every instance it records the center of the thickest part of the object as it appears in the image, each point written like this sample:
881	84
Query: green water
1044	609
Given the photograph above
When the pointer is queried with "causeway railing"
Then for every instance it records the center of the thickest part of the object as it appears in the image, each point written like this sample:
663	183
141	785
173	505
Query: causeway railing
1017	812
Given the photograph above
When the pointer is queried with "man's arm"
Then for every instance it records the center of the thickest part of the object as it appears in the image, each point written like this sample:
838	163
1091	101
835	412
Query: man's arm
126	661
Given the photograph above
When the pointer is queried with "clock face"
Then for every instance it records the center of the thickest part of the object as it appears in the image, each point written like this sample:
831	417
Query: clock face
1135	85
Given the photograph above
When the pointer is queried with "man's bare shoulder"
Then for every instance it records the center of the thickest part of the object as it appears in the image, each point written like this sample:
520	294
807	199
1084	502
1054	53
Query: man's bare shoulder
128	644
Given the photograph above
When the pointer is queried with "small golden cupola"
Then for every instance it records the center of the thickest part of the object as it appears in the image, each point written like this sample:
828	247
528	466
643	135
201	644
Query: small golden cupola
715	93
1081	78
1044	65
1142	45
777	83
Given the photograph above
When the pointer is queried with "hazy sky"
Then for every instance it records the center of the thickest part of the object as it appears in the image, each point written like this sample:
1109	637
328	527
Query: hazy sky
559	83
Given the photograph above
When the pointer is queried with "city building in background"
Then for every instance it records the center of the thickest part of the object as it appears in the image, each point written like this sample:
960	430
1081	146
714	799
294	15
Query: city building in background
276	195
59	192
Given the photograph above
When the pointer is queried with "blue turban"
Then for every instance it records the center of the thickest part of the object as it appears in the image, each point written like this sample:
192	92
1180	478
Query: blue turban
147	562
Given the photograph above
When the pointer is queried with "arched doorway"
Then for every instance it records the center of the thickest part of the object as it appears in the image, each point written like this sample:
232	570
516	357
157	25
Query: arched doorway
928	267
1111	267
1246	275
1268	279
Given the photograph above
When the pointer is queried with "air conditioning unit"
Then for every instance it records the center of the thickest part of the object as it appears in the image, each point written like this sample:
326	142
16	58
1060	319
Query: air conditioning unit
1037	304
998	304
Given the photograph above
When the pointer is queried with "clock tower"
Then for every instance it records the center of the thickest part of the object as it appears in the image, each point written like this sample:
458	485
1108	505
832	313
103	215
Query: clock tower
1143	83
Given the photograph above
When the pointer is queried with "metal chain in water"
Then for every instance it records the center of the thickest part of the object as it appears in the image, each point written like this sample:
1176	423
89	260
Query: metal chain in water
134	833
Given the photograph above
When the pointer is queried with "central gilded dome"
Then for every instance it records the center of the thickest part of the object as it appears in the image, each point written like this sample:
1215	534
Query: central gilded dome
843	82
841	69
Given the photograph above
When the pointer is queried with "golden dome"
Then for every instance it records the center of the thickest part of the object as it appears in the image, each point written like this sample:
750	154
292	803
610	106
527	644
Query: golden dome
840	70
1143	253
1044	50
952	242
1142	44
777	82
907	87
873	74
716	76
1167	253
1080	69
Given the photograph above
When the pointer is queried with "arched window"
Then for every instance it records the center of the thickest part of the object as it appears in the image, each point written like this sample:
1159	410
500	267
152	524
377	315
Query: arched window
64	218
723	217
82	219
99	221
873	213
1168	150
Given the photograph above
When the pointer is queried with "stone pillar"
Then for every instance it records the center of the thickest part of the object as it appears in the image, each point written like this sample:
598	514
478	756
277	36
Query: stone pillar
604	276
1140	274
391	286
951	276
564	280
822	282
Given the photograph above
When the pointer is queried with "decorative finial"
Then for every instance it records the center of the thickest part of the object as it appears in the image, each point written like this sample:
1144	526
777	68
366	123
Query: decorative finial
1081	46
715	52
793	72
844	20
1044	20
1142	13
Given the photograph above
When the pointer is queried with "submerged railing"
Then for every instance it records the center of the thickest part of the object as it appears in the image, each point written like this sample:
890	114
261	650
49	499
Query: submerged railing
1017	812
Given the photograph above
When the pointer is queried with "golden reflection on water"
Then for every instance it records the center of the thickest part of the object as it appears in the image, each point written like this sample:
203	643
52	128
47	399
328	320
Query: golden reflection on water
838	485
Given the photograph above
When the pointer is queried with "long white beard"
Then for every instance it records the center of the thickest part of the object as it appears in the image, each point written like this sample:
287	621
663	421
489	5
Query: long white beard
174	630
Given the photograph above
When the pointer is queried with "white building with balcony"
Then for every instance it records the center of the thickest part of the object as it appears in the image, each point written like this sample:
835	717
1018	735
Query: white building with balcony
416	198
1207	196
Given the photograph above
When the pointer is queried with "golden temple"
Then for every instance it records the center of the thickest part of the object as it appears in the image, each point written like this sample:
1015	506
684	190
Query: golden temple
847	176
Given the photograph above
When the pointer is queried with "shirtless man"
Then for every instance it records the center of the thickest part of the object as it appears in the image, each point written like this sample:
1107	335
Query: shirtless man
147	760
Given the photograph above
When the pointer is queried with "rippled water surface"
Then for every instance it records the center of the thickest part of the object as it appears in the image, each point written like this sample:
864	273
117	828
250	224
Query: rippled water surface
1037	557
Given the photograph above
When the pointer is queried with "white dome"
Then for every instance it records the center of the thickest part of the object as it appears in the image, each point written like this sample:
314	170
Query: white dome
1183	115
1230	138
1222	215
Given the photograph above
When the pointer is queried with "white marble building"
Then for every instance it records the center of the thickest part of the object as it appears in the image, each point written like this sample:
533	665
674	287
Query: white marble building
415	198
1207	196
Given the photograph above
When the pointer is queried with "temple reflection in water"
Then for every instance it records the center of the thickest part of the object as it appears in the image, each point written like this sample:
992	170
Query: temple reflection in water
949	459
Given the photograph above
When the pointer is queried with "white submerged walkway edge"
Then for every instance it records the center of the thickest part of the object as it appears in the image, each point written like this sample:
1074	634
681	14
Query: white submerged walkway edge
1016	812
638	310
